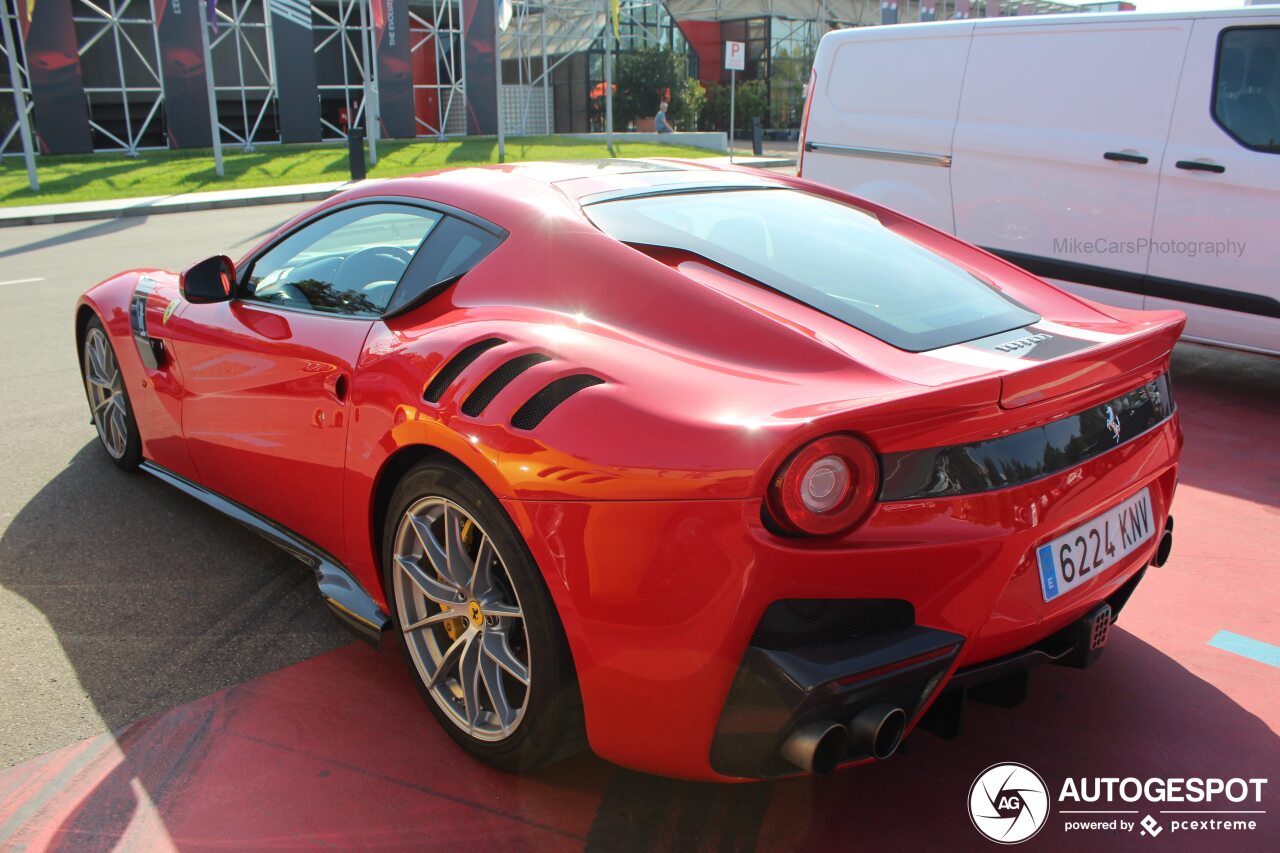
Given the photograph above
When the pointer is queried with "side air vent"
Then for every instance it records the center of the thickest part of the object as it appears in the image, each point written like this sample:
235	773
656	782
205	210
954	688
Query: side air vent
795	622
499	379
444	378
544	402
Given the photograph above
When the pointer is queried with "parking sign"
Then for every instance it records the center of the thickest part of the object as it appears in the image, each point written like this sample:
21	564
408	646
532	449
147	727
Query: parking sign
735	56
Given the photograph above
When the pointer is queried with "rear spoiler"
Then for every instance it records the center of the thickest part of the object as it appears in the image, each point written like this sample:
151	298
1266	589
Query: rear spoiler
1096	365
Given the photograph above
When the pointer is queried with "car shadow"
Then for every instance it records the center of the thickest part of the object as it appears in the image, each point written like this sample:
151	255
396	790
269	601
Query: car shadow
155	599
364	765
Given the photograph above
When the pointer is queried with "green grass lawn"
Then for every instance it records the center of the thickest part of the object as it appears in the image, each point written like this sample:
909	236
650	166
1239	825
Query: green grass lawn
94	177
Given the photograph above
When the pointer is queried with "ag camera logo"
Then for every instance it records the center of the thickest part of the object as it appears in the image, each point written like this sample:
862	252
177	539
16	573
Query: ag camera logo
1008	803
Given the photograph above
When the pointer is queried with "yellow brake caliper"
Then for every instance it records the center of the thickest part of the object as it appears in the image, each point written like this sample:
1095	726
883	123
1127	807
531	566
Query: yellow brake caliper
455	627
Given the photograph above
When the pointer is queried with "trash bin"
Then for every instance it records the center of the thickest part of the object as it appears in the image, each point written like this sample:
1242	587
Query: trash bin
355	153
757	137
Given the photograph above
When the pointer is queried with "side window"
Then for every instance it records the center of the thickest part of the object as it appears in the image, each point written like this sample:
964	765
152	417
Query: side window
1246	86
348	262
453	249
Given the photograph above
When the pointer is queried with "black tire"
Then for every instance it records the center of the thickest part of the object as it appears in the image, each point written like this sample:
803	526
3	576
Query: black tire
551	728
129	456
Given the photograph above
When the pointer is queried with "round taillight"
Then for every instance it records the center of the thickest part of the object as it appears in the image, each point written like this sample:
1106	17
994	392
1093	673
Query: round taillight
826	487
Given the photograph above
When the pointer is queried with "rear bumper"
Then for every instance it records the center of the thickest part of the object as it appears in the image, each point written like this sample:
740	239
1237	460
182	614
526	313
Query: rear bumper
660	601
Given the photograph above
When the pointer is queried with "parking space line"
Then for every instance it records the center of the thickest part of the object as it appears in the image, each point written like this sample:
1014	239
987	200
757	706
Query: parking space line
20	281
1247	647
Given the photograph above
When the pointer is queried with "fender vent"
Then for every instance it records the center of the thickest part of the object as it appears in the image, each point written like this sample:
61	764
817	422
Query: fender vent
544	402
444	378
796	622
499	379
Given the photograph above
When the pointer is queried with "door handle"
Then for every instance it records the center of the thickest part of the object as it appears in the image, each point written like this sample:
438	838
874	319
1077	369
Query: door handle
1199	166
1125	157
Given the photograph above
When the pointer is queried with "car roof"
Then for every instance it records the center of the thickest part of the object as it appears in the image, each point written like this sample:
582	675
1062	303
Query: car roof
590	181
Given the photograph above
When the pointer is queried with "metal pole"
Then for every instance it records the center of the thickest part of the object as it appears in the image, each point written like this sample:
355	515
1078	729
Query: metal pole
370	87
733	92
497	63
209	87
546	78
19	101
608	85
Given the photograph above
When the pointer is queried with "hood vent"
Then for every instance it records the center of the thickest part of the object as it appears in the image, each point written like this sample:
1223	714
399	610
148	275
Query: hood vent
444	378
492	384
545	401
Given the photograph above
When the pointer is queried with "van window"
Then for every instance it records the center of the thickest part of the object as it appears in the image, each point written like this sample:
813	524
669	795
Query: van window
830	256
1246	86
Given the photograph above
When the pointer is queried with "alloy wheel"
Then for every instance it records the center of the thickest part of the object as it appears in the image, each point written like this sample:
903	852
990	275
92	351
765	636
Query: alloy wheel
462	620
106	393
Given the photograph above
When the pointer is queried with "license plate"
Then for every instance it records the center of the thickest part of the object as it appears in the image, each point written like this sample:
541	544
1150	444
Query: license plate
1095	546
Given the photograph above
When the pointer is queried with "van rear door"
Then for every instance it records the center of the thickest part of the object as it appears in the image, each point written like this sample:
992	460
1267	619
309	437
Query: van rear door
1215	253
1058	146
881	114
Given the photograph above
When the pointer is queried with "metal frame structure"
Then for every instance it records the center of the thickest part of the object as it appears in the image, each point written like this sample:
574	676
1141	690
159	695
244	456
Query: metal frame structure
119	47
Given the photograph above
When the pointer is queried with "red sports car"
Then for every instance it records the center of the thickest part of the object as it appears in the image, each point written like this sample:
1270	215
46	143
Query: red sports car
726	474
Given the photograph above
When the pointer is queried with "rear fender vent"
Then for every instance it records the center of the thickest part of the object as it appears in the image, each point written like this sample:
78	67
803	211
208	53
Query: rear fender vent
492	384
796	622
545	401
444	378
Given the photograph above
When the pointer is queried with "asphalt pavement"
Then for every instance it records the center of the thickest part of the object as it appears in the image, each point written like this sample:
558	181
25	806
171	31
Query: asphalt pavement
119	597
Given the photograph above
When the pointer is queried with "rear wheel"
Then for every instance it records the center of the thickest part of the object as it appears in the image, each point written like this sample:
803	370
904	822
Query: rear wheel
476	622
108	400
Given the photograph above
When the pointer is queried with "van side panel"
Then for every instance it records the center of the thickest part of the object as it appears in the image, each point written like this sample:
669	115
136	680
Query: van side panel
894	90
1216	254
1059	141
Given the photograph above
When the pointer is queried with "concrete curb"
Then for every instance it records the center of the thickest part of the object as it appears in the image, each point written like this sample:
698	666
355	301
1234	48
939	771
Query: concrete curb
45	214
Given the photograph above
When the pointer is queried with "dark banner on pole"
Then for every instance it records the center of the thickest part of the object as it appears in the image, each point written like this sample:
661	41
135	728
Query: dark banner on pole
293	43
395	73
928	10
889	12
478	65
57	87
186	101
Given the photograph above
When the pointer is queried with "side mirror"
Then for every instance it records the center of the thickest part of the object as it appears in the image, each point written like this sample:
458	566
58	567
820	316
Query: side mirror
211	280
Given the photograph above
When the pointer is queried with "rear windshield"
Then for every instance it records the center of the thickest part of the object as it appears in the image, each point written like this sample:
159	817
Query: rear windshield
830	256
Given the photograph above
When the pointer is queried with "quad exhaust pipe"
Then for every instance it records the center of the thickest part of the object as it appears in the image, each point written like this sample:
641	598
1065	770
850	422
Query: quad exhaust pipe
819	747
1166	545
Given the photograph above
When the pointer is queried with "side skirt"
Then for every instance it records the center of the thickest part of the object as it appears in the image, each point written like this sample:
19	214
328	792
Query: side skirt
338	587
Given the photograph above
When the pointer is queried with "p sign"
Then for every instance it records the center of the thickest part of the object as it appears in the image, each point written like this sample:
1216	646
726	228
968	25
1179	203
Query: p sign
735	56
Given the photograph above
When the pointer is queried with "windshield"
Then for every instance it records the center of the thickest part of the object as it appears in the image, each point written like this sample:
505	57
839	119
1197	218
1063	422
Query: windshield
830	256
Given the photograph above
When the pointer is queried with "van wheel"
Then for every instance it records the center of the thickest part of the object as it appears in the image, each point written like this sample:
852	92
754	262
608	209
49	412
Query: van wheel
476	622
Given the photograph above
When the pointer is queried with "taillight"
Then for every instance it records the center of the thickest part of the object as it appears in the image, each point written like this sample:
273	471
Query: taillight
826	487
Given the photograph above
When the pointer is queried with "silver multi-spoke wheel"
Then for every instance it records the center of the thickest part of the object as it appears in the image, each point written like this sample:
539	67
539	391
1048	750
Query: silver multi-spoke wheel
106	394
463	624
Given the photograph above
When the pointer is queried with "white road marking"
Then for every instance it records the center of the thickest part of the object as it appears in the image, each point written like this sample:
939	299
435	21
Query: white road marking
20	281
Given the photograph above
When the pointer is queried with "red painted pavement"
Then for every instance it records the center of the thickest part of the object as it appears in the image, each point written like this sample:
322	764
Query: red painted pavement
339	751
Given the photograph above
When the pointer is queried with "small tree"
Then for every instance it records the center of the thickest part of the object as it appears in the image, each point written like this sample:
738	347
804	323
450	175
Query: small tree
691	105
644	78
751	103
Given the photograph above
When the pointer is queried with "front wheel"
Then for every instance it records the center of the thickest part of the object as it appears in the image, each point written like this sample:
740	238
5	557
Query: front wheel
108	401
476	622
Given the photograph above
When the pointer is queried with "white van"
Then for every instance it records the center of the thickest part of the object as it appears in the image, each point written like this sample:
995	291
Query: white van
1132	158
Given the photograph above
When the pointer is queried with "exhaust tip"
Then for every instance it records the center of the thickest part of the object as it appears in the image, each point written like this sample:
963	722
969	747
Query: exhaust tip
1164	548
877	731
817	748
